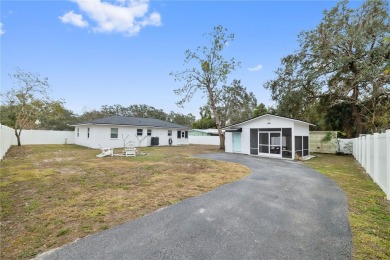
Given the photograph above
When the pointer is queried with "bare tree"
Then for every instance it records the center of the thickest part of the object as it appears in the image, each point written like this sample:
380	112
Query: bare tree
140	139
125	142
26	101
210	70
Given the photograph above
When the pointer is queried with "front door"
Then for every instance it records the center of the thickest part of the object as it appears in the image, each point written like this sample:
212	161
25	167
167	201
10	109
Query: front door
270	143
236	142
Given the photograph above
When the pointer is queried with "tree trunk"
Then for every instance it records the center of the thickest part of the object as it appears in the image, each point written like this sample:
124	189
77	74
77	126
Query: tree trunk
221	140
358	119
217	119
18	137
355	113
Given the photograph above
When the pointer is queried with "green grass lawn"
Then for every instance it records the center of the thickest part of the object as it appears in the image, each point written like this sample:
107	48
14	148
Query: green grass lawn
53	194
369	212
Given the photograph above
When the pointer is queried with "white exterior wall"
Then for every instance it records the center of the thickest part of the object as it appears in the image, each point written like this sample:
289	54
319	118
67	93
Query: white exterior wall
177	141
301	129
271	122
297	129
245	141
100	136
264	122
229	142
80	137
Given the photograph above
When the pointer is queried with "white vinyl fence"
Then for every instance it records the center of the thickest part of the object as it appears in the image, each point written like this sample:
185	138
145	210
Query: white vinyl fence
206	140
345	145
7	136
27	137
46	137
373	153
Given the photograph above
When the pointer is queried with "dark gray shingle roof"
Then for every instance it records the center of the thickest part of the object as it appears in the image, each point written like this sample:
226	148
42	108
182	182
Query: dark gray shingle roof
134	121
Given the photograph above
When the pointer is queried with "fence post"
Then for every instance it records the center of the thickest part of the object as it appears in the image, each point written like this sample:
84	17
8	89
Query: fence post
355	147
368	157
388	164
358	148
364	152
376	158
361	150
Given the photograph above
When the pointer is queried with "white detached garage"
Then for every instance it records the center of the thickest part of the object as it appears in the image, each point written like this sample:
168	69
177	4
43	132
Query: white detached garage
269	135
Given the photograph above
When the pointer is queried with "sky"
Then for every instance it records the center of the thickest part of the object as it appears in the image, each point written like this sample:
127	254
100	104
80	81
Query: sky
97	52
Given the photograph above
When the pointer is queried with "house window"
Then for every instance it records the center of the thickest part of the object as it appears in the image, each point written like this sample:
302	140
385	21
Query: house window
149	132
182	134
169	132
114	132
139	132
88	132
78	132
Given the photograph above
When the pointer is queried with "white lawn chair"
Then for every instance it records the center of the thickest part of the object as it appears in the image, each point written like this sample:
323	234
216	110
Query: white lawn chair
105	152
130	151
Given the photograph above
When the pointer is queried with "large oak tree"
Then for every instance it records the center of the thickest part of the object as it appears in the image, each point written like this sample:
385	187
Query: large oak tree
342	61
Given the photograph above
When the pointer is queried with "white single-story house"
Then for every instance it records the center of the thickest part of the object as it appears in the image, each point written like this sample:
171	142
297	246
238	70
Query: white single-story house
269	135
121	131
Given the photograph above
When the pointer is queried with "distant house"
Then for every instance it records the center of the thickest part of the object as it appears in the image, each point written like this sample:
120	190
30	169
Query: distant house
269	135
118	131
203	132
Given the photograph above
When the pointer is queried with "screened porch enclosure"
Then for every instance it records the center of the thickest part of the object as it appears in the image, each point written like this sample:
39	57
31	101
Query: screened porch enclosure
302	145
269	136
276	142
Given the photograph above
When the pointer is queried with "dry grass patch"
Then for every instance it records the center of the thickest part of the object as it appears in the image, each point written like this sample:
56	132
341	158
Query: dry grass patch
369	212
53	194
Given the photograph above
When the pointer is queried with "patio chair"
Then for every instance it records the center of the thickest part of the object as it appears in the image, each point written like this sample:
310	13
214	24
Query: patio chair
130	151
106	152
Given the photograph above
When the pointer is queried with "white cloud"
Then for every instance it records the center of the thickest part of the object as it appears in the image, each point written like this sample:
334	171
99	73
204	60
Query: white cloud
74	19
256	68
122	16
1	29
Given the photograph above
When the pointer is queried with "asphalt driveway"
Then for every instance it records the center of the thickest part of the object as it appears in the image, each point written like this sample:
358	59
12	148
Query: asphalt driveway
283	210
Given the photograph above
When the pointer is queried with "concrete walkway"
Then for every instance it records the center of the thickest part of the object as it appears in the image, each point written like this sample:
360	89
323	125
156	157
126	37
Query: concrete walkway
283	210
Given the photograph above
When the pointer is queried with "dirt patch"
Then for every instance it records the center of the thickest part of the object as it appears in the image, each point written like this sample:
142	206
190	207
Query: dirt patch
17	152
59	159
69	170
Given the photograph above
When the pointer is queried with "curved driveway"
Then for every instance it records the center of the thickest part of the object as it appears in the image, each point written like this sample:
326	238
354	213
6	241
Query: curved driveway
283	210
